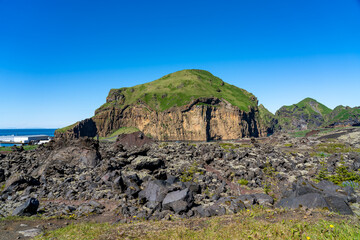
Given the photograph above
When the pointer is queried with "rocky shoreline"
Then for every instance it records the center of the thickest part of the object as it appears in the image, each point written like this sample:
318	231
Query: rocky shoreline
81	177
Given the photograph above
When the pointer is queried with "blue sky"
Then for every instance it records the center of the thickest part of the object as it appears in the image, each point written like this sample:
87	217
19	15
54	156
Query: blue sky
59	58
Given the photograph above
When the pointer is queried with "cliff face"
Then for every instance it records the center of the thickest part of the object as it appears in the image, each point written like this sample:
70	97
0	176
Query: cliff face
84	128
201	120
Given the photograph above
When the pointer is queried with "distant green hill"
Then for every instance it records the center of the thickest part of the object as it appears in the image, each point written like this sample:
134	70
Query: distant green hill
306	114
178	89
344	116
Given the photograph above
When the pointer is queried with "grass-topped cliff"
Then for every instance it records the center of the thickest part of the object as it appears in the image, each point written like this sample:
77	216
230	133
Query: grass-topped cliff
214	109
179	89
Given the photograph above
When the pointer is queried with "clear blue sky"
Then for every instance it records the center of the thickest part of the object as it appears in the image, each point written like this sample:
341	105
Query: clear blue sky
59	58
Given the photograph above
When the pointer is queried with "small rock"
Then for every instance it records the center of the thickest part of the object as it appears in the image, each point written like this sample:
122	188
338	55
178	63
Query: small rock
30	232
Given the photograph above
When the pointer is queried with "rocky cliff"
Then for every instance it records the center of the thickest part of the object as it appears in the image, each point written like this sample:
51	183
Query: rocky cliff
202	119
186	105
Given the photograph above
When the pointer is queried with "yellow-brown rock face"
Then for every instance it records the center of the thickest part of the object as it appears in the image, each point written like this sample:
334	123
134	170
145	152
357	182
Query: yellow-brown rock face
193	122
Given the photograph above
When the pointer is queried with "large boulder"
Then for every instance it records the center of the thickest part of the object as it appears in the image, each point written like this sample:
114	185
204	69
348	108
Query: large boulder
154	193
144	162
178	201
28	208
263	199
309	200
68	154
324	195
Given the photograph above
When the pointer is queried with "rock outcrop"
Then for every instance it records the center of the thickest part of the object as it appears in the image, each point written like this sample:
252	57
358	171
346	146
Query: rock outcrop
79	177
187	105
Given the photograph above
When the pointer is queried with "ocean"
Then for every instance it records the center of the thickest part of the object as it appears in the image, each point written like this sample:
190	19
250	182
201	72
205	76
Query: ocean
24	132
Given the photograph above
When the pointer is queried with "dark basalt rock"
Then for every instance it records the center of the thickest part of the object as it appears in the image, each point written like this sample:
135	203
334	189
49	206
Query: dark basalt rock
154	193
325	195
28	208
2	175
178	201
143	162
147	181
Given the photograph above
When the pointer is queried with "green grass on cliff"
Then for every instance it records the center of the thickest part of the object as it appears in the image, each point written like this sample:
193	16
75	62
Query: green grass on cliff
64	129
178	89
266	117
123	130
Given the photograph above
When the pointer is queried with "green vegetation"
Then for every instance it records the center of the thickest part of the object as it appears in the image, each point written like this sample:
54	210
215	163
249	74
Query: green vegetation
271	186
189	173
243	182
228	146
342	174
308	110
335	148
266	117
64	129
123	130
342	114
26	148
178	89
256	223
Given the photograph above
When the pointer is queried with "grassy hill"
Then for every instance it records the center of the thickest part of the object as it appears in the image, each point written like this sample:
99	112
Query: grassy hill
178	89
307	113
344	115
309	106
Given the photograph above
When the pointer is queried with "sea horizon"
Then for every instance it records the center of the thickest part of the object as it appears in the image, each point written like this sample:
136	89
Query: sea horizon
27	131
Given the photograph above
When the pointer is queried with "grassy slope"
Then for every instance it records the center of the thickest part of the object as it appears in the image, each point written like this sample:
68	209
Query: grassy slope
305	106
266	117
179	88
123	130
256	223
26	148
64	129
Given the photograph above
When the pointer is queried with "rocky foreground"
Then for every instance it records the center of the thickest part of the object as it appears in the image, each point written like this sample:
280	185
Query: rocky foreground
136	178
